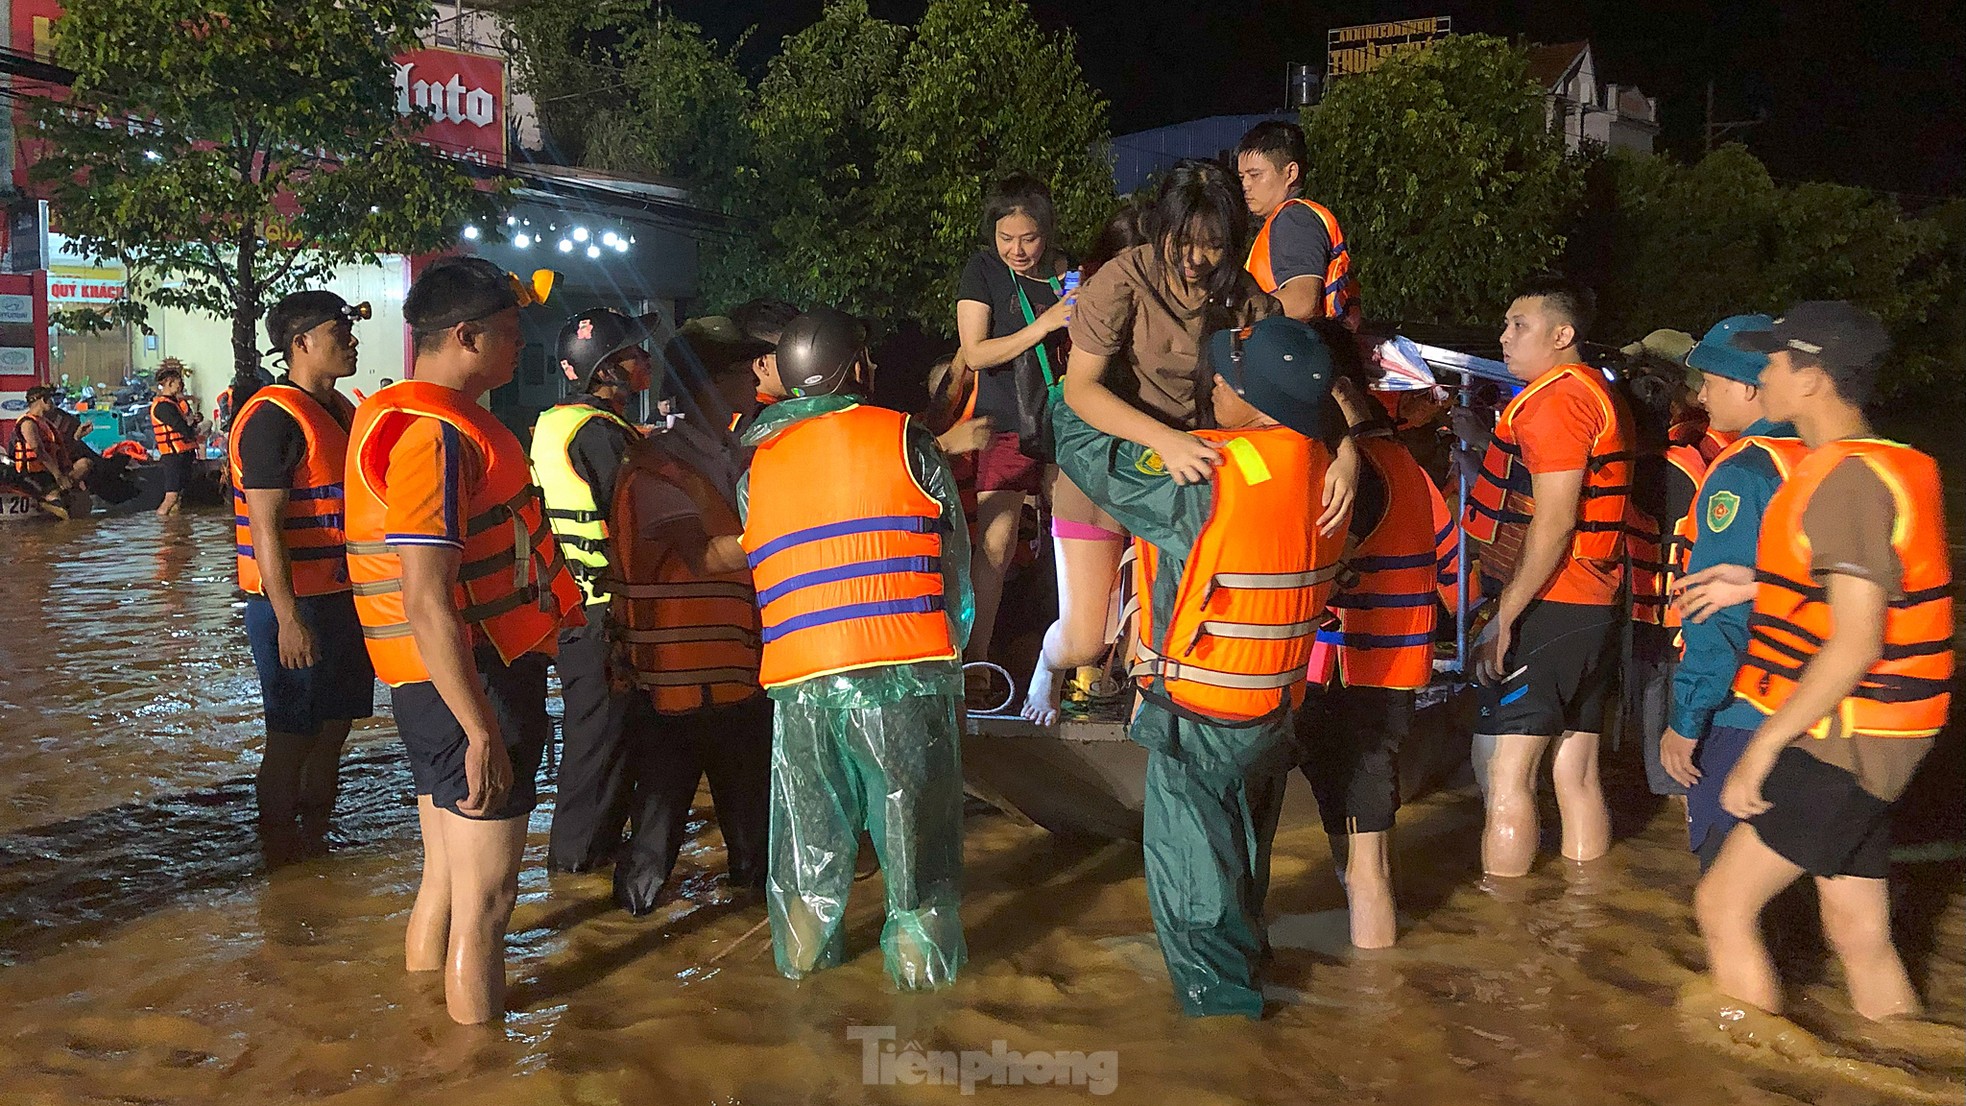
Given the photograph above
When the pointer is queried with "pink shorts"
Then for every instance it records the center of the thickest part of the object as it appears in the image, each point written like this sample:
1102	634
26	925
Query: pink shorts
1083	531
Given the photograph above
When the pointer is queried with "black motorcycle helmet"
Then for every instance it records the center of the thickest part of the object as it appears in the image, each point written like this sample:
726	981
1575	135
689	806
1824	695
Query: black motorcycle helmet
591	337
817	353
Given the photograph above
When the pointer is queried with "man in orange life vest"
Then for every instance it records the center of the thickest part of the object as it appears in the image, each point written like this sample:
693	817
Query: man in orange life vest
1849	662
288	454
462	594
174	429
1299	255
577	450
854	533
684	621
1233	577
38	453
1550	507
1383	647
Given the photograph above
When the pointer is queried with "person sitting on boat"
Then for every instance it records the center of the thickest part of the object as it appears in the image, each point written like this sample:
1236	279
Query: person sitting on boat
1233	575
39	455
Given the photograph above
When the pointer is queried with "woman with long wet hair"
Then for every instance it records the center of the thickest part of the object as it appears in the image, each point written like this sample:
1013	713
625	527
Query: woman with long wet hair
1135	372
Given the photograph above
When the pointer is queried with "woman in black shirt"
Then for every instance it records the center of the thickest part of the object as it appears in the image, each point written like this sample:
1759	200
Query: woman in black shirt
1011	312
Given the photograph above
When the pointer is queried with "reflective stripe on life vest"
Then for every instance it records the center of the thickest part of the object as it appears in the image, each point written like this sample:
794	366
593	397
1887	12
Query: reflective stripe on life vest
513	588
847	567
1341	299
1386	596
579	524
691	642
1906	693
311	527
1235	642
1502	499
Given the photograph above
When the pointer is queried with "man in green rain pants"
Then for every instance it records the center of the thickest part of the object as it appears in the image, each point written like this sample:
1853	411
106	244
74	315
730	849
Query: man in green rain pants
1233	577
855	537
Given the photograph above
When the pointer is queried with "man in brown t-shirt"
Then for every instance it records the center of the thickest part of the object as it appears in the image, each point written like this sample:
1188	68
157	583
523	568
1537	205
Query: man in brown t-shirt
1849	659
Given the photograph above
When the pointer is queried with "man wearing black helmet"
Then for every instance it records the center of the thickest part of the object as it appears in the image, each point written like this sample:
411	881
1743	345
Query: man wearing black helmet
854	533
577	449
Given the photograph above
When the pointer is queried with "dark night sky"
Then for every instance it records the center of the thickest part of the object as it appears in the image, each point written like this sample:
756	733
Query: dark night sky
1865	93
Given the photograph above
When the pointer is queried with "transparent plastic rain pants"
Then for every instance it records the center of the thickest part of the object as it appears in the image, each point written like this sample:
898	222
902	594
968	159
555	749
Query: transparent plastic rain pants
894	769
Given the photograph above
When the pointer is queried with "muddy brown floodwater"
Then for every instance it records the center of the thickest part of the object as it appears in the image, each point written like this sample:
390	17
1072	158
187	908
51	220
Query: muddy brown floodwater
147	957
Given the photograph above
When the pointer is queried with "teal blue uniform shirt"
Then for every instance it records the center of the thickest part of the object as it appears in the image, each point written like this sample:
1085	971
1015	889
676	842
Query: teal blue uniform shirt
1727	513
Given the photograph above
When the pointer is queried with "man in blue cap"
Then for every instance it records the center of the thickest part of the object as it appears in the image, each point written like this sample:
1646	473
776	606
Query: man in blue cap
1233	578
1709	725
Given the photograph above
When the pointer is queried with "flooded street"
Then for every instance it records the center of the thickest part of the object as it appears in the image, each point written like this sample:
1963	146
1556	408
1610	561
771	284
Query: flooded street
146	956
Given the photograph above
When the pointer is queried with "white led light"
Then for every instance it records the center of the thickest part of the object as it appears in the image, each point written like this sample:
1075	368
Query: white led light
593	251
580	234
511	220
566	246
471	233
621	245
522	240
610	238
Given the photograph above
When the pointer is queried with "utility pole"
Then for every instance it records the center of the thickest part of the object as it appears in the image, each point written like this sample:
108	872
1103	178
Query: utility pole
1717	129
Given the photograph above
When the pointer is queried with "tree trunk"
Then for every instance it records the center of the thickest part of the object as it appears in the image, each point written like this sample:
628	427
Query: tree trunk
246	310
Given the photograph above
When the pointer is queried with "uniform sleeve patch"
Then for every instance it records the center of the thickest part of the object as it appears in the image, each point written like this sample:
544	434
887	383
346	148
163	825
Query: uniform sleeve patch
1150	464
1722	508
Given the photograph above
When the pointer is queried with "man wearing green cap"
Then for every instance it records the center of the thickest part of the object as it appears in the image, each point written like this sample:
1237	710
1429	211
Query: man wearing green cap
1233	579
1709	725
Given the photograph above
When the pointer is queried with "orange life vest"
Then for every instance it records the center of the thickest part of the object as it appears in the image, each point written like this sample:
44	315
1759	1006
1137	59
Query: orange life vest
48	457
168	440
1906	693
1237	639
317	546
848	569
1653	543
1385	598
1340	290
690	641
1447	551
513	590
1783	453
1502	499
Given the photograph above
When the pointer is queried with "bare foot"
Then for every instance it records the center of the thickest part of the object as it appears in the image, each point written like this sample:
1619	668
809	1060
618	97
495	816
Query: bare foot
1041	702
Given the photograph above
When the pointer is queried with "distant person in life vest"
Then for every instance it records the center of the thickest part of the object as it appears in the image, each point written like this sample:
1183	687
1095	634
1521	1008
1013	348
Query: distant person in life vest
1549	505
1299	253
288	455
577	450
174	431
40	456
1233	575
1849	663
853	528
462	594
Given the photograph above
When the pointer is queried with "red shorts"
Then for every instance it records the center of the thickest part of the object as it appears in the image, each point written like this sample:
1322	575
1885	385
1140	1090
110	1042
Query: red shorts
1001	467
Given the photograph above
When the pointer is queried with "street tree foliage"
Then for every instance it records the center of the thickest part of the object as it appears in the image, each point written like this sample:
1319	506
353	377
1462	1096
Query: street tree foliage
229	152
1687	245
1443	171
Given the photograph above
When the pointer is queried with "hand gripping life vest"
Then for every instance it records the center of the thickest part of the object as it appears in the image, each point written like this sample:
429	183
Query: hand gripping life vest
1385	597
1783	453
1501	501
1653	541
579	524
513	589
848	568
1906	693
169	440
690	641
1235	643
47	457
317	545
1341	299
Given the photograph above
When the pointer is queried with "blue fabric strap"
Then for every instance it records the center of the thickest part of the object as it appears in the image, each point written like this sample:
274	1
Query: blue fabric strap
1383	564
848	572
907	524
922	605
1381	602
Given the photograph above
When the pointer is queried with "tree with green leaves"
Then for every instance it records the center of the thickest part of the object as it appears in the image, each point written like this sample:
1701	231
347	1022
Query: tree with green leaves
1446	177
231	151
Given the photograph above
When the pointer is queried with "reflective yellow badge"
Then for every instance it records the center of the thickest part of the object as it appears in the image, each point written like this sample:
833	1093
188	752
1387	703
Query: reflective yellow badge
1150	464
1248	462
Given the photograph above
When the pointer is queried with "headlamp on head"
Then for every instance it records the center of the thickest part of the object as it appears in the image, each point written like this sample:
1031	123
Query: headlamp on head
356	312
532	292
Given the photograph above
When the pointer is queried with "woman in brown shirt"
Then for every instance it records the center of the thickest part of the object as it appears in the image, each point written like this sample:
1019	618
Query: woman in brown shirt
1135	372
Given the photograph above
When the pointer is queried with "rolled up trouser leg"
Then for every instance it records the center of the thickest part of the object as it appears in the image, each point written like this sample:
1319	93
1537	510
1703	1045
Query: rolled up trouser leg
817	809
734	747
591	808
908	755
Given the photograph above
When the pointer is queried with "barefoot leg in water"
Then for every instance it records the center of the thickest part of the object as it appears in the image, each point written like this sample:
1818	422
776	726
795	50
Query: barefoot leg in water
1086	568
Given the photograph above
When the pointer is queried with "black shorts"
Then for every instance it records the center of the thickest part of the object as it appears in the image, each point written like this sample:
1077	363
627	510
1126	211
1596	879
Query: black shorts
435	740
339	686
177	470
1559	672
1822	820
1350	737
